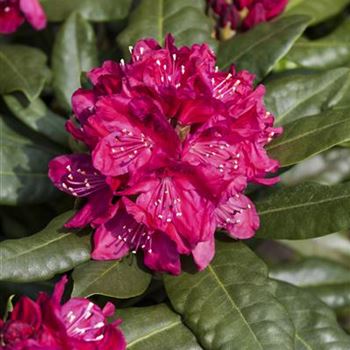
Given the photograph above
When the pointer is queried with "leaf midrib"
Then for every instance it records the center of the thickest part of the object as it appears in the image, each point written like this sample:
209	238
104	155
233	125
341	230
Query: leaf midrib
163	329
36	247
116	263
9	63
308	97
301	205
310	132
211	269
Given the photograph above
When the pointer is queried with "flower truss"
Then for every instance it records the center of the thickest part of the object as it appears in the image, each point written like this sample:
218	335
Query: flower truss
241	15
14	12
45	324
173	143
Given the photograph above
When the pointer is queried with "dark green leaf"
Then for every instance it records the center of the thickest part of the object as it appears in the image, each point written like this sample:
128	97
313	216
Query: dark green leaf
156	328
118	279
304	211
39	118
259	49
74	52
44	254
99	11
23	168
229	305
186	20
319	10
293	96
315	324
328	280
328	52
309	136
22	69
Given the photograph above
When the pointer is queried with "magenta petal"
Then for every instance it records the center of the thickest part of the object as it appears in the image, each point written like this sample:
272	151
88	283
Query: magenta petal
27	311
164	256
75	175
204	253
97	206
237	214
121	152
59	290
106	245
113	339
108	310
34	13
10	20
83	103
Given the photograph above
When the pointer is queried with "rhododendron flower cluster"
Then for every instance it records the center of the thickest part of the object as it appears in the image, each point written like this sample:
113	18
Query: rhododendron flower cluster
173	143
13	13
245	14
45	324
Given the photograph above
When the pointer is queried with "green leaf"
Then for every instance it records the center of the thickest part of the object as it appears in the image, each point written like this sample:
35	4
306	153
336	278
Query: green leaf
74	52
229	304
319	10
120	279
328	280
23	167
259	49
39	118
293	96
98	11
335	247
309	136
330	51
186	20
157	328
304	211
315	324
22	69
44	254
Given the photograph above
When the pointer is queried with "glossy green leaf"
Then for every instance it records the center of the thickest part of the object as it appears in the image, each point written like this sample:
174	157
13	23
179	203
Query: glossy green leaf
44	254
99	11
306	137
74	52
335	247
304	211
330	51
39	118
118	279
259	49
319	10
229	304
22	69
157	328
184	19
23	167
316	327
328	280
293	96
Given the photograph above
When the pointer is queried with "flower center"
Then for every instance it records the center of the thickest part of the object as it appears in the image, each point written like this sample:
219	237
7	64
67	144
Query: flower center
82	324
136	236
82	182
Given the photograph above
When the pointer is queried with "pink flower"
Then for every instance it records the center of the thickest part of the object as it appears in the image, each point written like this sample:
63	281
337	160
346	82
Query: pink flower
173	144
242	15
45	324
14	12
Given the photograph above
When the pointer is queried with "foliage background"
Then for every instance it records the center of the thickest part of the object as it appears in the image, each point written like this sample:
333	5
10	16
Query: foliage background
288	288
